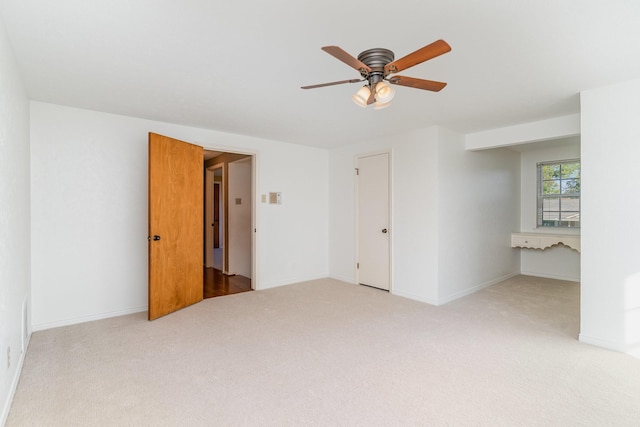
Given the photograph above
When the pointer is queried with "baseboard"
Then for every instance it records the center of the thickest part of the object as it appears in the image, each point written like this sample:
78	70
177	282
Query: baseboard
291	281
550	276
414	297
452	297
346	279
599	342
83	319
475	289
634	350
14	384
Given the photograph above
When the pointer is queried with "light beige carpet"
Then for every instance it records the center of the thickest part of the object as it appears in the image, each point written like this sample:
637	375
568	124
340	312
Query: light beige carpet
326	353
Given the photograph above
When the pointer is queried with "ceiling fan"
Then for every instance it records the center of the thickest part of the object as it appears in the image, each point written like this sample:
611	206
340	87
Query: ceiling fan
376	66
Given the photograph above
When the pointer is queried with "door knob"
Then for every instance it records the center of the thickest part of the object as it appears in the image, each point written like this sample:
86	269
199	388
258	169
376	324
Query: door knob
156	237
384	230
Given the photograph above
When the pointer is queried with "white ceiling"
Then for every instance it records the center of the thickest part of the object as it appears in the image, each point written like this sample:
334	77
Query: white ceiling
237	66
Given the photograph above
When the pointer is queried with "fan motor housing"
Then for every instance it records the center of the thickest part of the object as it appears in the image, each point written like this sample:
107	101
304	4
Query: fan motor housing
376	59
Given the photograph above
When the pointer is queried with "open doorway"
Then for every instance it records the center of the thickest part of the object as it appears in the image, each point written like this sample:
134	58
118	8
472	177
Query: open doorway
218	218
228	242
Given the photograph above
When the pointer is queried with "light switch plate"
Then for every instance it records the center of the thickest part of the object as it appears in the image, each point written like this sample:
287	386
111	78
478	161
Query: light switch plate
275	198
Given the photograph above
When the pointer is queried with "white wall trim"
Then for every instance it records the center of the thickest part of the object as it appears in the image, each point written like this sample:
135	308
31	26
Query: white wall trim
292	281
14	384
345	279
76	320
555	128
474	289
634	350
550	276
599	342
414	297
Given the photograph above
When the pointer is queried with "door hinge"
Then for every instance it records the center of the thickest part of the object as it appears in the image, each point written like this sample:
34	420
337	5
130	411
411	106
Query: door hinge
357	171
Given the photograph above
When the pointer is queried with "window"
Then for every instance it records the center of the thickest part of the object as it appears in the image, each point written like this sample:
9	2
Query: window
559	194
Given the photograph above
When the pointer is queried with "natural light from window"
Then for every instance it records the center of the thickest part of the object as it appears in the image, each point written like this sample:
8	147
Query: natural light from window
559	194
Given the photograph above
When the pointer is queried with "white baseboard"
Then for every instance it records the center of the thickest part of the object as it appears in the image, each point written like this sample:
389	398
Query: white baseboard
474	289
452	297
414	297
346	279
599	342
550	276
14	384
291	281
634	350
90	318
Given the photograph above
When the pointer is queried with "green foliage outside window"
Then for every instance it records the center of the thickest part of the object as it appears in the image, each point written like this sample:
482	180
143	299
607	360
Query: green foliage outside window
559	194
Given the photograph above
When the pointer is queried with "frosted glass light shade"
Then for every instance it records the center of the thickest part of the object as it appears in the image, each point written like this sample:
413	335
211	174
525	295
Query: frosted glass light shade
362	96
384	92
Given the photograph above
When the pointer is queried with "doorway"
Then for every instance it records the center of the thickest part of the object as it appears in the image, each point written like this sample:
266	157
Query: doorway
228	229
217	223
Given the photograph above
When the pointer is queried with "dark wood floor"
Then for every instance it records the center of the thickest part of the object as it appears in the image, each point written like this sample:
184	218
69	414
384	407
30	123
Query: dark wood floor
217	284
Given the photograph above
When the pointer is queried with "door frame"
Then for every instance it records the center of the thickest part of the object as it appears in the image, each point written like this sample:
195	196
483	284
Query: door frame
388	152
255	181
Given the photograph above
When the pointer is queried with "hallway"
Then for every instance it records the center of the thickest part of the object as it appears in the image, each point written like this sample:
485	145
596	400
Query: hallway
217	284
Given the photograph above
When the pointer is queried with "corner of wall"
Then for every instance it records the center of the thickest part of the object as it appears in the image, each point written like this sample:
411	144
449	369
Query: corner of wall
15	227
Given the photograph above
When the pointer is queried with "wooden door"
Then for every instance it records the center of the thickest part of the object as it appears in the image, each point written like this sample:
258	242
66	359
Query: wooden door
373	221
175	224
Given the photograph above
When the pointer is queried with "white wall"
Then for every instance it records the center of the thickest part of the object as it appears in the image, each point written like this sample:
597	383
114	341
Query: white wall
479	207
557	262
14	222
415	215
240	229
89	211
439	252
412	232
610	145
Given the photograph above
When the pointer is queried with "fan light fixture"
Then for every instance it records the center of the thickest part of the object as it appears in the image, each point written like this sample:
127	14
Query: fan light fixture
383	94
362	96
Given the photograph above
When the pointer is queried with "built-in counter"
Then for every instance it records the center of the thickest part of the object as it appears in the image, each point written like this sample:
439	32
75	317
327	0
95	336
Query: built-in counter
543	240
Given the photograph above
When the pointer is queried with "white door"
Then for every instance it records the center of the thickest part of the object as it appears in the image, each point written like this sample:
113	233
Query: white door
373	220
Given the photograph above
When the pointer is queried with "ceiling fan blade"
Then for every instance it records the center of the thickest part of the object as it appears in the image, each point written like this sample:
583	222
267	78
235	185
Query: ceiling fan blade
436	48
417	83
343	56
331	84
